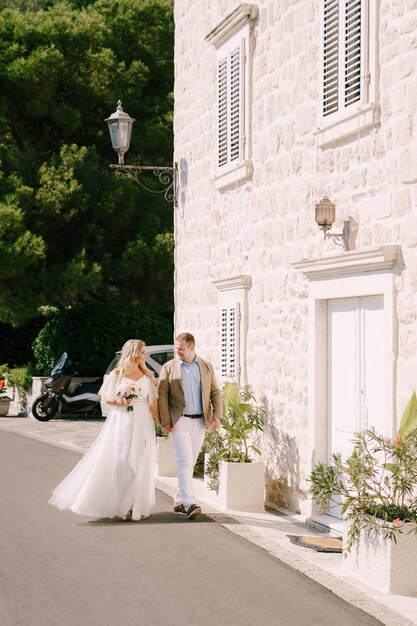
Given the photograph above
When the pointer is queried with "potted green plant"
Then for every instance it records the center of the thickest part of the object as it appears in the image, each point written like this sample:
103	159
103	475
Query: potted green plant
232	477
377	485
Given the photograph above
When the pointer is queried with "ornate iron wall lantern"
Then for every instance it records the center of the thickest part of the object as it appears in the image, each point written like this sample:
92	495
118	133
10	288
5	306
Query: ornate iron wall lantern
325	218
120	128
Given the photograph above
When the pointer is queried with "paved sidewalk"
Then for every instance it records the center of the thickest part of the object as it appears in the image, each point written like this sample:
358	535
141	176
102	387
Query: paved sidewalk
268	530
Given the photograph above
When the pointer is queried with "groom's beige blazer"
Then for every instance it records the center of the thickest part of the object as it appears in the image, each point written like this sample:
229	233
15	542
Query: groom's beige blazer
171	393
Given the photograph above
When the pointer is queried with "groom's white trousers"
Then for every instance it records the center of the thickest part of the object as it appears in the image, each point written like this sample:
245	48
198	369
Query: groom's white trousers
187	437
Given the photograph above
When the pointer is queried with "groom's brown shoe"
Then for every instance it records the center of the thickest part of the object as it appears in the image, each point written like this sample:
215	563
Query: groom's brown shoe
193	510
180	508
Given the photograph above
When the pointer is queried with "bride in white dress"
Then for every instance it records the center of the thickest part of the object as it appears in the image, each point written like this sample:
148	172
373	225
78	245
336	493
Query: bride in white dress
116	476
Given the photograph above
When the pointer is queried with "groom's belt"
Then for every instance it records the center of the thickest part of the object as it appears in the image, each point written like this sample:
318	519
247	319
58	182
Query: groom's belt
193	417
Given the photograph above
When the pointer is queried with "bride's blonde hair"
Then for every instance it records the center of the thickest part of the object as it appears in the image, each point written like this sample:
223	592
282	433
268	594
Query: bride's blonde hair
131	349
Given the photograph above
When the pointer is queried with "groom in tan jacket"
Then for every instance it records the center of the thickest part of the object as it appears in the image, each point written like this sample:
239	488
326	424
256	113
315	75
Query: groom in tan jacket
189	402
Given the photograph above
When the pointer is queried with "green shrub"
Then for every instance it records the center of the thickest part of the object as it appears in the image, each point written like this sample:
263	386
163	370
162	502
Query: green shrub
377	484
91	333
20	377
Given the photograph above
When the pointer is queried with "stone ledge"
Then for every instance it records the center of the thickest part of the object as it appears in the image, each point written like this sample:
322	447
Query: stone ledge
244	13
243	281
370	260
232	174
362	119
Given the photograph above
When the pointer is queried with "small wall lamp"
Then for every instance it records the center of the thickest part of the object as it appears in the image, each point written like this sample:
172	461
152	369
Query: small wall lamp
325	218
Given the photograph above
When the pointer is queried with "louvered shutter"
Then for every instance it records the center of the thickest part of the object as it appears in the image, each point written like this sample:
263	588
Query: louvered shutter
230	342
235	104
353	49
222	111
331	57
343	50
229	102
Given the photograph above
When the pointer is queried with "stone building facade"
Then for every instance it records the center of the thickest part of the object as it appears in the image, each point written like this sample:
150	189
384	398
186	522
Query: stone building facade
278	105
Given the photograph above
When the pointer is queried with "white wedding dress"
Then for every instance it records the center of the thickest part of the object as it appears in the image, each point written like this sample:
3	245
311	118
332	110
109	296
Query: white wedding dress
117	473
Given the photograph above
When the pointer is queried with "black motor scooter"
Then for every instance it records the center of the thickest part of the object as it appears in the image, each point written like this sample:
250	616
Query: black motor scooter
57	398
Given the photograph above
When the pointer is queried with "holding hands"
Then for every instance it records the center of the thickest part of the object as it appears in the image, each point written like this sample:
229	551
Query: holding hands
216	423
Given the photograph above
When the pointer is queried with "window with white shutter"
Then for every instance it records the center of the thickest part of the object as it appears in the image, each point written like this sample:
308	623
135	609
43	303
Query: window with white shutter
232	302
349	69
230	89
233	39
230	342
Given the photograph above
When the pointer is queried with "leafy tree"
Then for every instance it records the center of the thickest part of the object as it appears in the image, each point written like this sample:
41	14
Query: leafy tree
71	232
93	331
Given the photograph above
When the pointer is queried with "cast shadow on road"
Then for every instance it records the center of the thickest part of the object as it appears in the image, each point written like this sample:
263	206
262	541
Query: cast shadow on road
155	518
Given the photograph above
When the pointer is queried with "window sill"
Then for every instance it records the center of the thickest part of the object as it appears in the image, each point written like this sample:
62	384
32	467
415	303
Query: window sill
233	174
364	118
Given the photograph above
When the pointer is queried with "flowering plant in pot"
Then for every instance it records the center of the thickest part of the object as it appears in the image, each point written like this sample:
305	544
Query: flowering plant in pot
4	398
3	392
19	379
242	418
377	485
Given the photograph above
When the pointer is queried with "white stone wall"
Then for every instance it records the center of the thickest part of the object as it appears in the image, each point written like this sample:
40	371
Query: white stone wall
263	226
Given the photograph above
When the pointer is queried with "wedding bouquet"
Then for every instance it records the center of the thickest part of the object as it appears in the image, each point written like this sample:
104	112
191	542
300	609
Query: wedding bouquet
128	394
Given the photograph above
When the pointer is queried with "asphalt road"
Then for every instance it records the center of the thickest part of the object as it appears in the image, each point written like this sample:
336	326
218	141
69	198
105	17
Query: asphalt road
64	570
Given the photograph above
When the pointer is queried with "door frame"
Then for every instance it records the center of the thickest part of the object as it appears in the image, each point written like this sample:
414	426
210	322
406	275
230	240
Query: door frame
357	306
353	274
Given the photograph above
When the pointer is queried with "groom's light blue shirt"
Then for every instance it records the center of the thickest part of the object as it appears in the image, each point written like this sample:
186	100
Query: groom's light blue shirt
191	381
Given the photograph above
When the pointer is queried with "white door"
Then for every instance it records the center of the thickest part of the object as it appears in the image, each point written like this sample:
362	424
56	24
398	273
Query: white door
355	370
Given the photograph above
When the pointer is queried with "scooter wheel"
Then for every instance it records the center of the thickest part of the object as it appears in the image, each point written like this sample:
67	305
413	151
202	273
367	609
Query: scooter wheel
45	408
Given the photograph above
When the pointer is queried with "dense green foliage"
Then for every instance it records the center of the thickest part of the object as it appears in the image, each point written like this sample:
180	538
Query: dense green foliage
20	377
376	484
70	232
92	332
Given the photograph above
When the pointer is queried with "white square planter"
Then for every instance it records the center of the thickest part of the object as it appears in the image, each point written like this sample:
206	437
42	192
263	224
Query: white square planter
389	566
165	454
241	487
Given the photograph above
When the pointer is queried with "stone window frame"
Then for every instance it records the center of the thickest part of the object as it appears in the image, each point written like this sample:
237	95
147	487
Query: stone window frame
364	114
232	304
235	31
